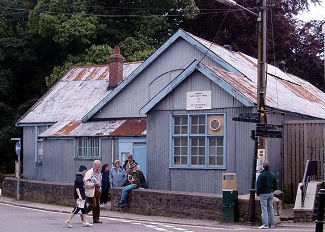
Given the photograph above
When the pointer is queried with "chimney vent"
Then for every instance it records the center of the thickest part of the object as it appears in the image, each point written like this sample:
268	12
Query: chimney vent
115	63
228	47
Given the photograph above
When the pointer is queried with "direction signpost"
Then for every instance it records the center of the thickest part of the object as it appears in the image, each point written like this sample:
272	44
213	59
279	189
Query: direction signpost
18	149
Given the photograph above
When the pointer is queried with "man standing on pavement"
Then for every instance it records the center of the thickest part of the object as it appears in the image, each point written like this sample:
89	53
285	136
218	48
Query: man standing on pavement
93	181
128	166
265	187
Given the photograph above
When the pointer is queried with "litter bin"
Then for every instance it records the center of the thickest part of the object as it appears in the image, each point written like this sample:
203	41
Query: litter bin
230	197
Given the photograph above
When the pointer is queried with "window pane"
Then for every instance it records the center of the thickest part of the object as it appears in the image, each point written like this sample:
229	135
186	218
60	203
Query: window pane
212	151
220	151
194	142
194	151
184	150
177	160
184	141
202	119
202	151
212	141
177	141
220	141
184	159
195	120
202	141
212	160
194	130
202	129
177	130
184	130
201	160
194	160
177	120
219	160
184	120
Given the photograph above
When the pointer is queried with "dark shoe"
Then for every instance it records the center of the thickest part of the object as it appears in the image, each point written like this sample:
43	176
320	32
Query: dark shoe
97	222
122	204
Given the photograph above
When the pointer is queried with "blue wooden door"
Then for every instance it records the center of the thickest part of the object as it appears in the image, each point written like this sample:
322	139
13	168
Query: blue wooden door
140	156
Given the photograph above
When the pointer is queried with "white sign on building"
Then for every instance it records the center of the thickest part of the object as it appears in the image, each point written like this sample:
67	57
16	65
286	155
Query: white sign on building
198	100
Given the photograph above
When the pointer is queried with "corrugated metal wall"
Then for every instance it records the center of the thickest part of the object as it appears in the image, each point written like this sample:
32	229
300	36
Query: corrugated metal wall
154	78
59	163
240	147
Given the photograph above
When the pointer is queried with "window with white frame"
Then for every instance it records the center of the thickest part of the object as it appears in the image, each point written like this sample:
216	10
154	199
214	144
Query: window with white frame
198	141
88	148
39	150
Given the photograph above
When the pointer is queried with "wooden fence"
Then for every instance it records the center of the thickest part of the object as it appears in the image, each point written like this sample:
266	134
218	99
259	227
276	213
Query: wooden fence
302	140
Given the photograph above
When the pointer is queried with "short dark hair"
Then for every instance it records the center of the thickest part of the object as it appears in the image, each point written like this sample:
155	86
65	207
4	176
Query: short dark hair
266	165
104	166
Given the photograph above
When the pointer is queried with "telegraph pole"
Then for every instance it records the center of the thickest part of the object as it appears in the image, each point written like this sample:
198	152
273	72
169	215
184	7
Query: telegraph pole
260	142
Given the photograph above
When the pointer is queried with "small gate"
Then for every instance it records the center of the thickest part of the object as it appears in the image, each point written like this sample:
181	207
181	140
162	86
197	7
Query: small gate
302	140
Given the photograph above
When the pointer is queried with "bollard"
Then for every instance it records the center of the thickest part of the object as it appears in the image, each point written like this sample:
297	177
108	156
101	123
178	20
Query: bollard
320	213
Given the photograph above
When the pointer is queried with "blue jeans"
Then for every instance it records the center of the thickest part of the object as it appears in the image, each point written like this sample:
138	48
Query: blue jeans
267	209
126	190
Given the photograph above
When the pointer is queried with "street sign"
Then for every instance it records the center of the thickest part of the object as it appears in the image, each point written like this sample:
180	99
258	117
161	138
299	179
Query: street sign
247	117
18	148
268	133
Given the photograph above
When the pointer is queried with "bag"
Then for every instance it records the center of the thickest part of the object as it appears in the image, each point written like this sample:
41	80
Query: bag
81	203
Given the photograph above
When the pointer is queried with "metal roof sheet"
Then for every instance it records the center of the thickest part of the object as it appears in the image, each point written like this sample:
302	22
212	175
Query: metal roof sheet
299	96
74	95
127	127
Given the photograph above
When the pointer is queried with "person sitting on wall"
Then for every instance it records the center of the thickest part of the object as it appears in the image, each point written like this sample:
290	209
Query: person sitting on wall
138	181
129	166
93	181
105	185
117	175
265	187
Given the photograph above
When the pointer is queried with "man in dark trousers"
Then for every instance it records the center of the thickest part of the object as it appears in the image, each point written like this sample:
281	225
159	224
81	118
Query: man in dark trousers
265	187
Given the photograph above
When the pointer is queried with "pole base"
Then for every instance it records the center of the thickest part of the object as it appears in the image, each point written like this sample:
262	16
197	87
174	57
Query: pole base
251	207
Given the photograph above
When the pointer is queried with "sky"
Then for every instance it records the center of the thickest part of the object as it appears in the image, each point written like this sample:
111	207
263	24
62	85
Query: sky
315	12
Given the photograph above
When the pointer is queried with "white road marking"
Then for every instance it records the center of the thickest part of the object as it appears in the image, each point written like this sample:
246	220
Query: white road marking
150	226
160	229
302	229
179	229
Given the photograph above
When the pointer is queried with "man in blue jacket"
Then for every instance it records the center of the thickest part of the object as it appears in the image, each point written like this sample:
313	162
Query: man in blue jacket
265	187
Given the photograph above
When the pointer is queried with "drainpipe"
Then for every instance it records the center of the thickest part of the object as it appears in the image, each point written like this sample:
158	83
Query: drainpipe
112	150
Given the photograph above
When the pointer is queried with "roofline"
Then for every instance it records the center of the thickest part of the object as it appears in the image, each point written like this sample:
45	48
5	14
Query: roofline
35	124
41	99
195	65
179	34
104	65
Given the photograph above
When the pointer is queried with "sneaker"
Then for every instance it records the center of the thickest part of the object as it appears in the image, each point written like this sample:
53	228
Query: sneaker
272	226
121	204
263	227
87	224
103	205
68	224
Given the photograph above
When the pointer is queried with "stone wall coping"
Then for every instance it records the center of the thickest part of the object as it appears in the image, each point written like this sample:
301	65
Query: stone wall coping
175	192
40	181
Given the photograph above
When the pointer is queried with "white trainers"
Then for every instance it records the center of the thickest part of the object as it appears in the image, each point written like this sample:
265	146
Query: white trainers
103	205
263	227
68	224
272	226
87	224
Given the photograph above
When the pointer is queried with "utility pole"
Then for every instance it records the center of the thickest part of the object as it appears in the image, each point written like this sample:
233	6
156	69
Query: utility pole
260	142
323	32
18	149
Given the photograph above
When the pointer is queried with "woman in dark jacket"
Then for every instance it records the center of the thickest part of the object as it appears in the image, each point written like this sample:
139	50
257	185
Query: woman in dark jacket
105	185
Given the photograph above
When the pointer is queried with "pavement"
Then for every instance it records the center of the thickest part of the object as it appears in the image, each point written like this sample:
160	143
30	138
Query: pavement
106	213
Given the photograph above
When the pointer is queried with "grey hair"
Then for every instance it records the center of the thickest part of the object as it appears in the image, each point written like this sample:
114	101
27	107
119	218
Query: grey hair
96	162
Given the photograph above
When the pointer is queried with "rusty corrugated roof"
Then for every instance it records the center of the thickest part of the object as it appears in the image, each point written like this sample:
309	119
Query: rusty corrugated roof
74	95
127	127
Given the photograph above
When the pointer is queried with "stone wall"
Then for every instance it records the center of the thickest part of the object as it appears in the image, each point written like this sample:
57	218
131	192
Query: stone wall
43	191
146	201
183	204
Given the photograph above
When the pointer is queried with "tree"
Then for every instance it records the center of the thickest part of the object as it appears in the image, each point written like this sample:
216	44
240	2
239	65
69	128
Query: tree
288	39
